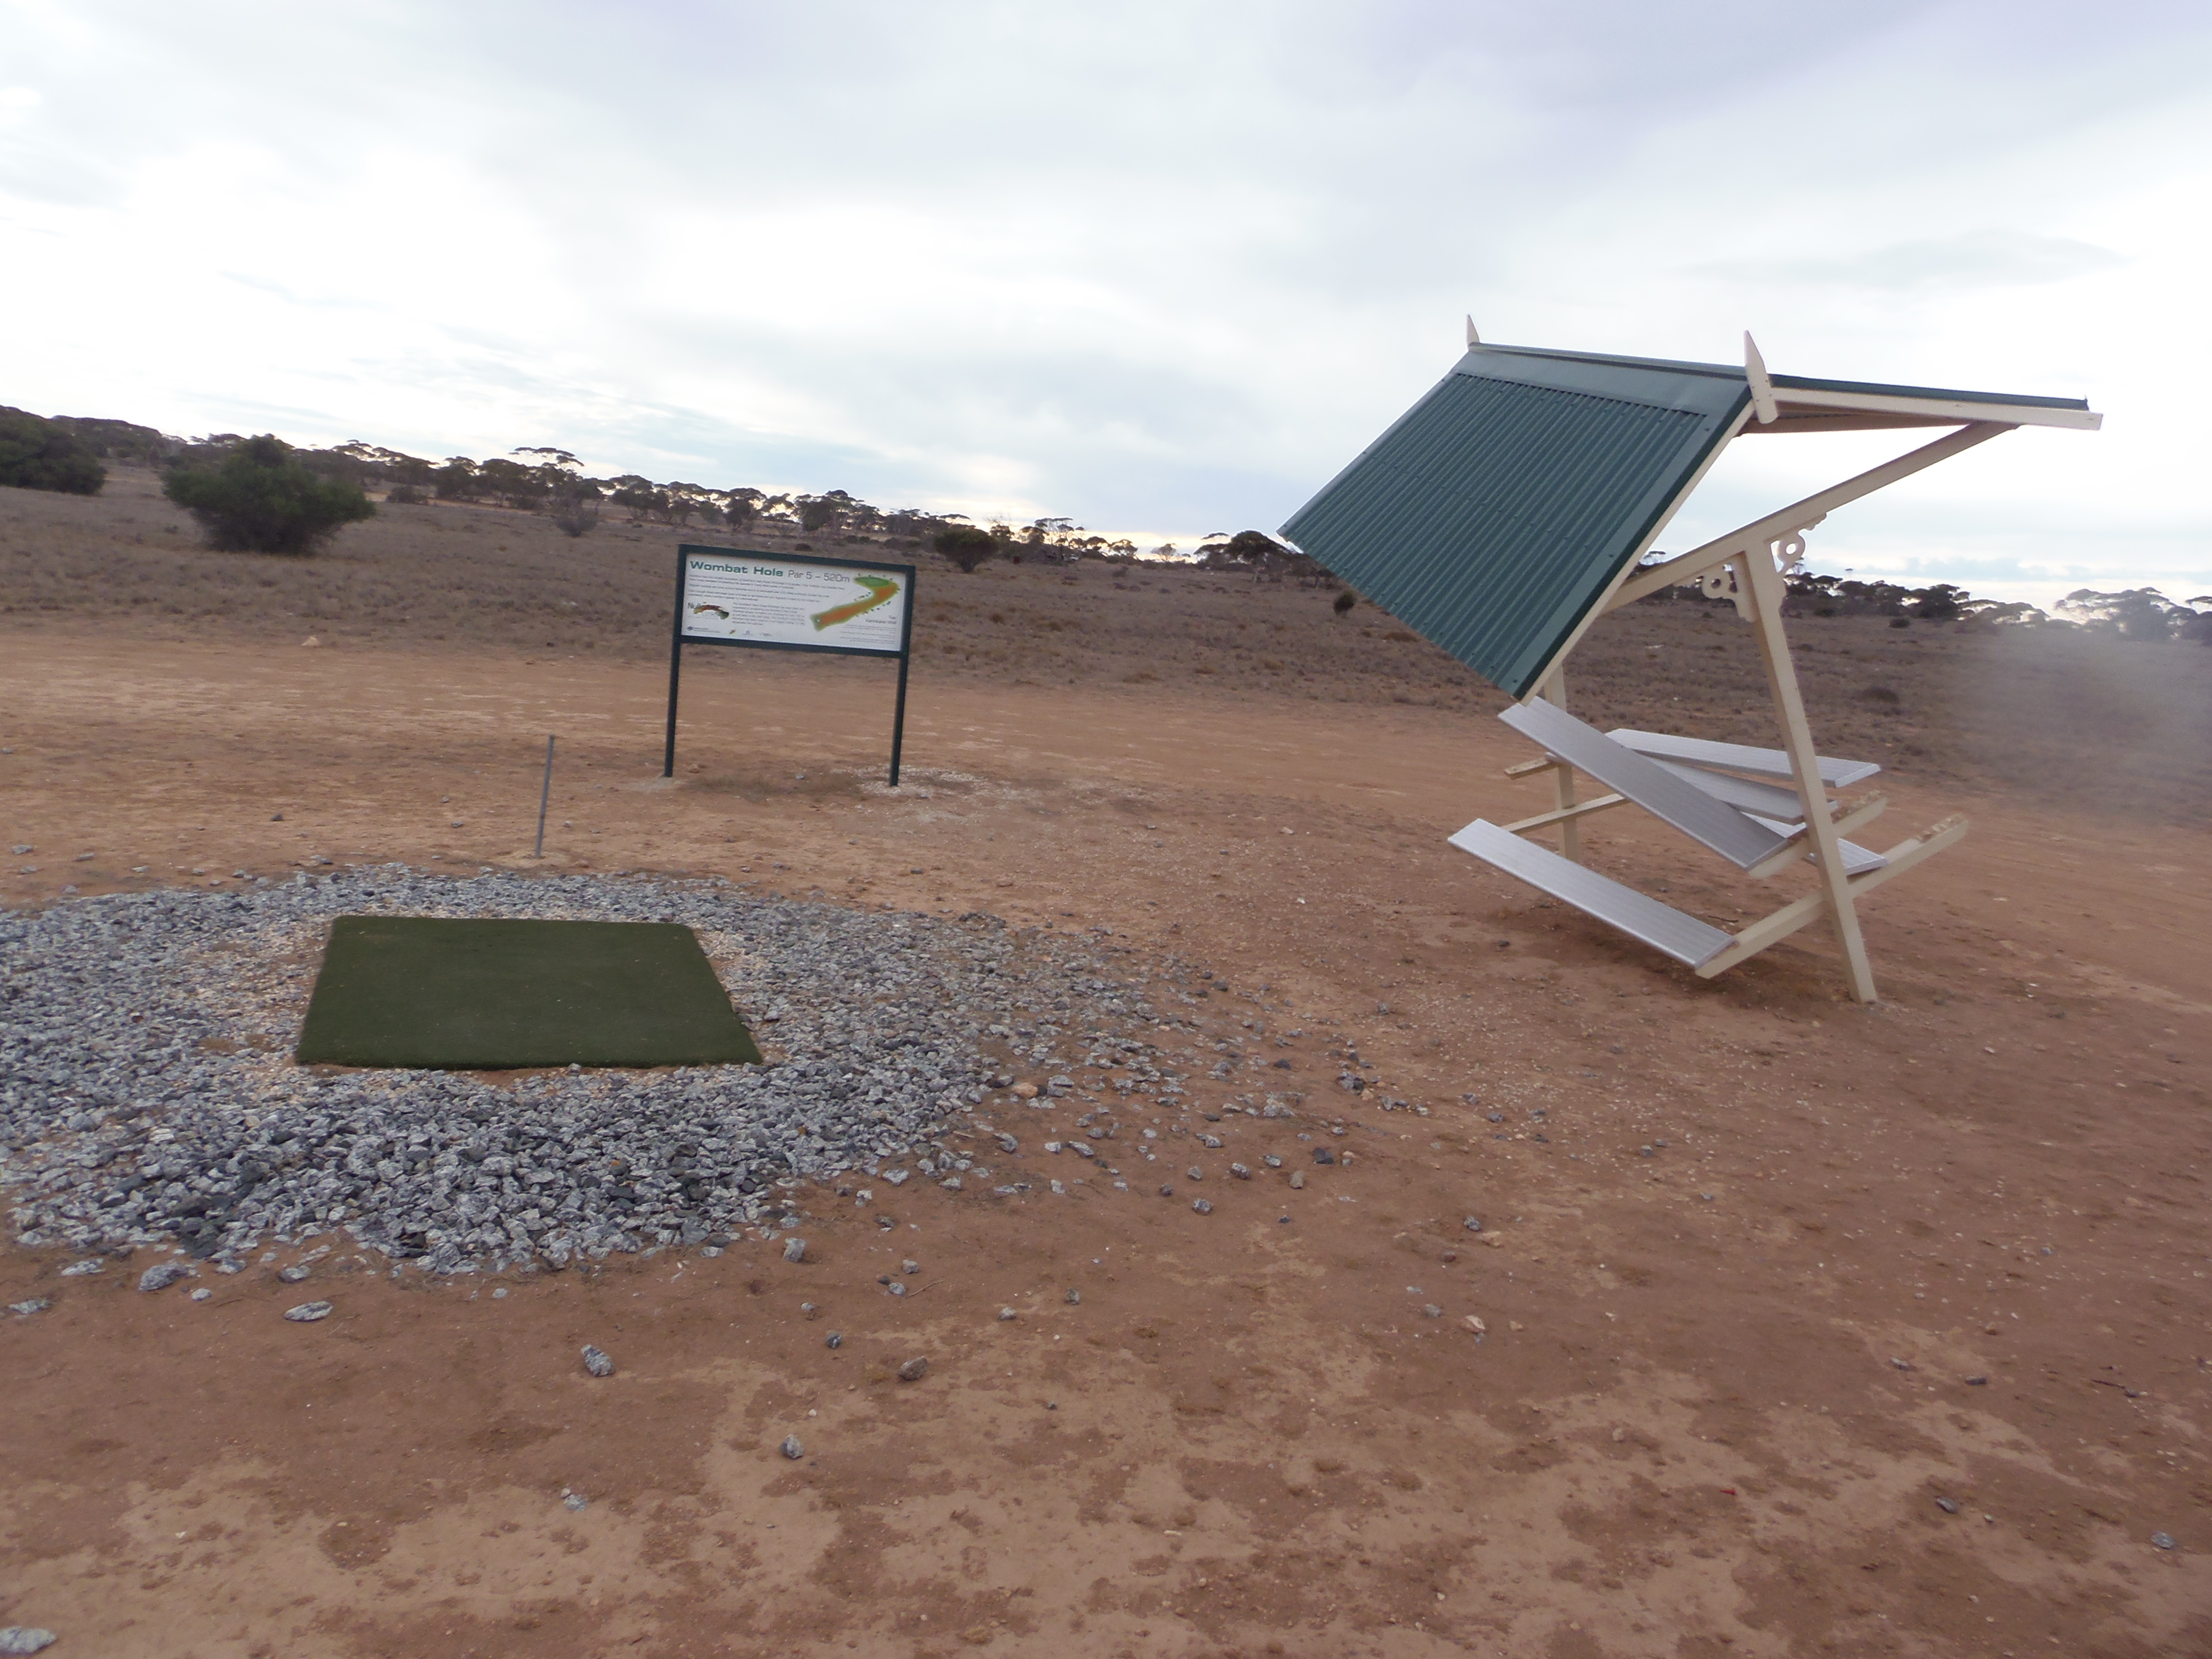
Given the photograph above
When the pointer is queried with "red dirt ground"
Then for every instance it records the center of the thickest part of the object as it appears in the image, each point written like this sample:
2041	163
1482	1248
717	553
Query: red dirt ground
1722	1386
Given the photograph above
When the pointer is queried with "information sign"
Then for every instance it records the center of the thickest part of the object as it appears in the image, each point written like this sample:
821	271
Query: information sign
791	602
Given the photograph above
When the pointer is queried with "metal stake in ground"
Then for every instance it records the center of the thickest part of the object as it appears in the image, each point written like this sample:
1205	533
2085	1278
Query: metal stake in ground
544	795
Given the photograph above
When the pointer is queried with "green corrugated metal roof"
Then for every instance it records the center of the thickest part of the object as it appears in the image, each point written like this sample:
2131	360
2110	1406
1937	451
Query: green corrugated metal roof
1497	510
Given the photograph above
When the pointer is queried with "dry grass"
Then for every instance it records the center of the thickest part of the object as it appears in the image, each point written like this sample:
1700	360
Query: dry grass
2063	718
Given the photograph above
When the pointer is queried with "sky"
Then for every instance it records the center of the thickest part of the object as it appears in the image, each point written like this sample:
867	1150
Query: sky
1159	268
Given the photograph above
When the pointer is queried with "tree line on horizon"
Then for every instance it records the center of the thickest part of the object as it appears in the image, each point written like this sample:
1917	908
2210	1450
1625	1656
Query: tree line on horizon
263	495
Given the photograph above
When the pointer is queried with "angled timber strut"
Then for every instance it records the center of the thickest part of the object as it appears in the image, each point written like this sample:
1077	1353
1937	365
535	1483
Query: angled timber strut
1515	504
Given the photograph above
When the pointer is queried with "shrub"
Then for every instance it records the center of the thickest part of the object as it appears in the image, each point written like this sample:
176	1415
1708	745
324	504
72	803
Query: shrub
405	495
966	546
573	516
1345	601
262	500
37	454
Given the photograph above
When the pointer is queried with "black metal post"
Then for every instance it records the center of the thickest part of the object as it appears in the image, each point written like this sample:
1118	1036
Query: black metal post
675	669
898	720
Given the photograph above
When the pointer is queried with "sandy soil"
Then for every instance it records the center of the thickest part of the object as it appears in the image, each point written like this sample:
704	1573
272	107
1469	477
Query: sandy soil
2065	717
1722	1384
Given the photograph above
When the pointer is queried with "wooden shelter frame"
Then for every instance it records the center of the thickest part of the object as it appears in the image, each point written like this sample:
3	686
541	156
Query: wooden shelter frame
1750	566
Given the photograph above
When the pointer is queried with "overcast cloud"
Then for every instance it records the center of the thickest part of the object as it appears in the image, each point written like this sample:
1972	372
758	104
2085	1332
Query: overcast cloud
1162	267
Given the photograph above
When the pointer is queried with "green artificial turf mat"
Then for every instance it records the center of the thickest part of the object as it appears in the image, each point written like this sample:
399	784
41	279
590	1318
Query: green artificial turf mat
455	993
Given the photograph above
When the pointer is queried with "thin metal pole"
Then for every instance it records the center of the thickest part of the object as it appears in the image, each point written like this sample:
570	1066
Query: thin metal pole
675	667
898	721
675	675
545	795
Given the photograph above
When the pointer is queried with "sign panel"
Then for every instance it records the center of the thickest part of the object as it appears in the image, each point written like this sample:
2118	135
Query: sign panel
790	602
821	605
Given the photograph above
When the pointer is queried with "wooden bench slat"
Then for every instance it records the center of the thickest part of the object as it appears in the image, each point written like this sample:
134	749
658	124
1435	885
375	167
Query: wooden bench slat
1738	757
1689	941
1689	808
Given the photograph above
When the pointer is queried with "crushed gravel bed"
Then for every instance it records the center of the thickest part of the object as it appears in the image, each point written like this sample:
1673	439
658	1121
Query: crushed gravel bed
147	1092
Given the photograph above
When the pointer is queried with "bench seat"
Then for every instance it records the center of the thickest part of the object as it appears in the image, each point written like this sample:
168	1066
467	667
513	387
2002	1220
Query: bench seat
1689	941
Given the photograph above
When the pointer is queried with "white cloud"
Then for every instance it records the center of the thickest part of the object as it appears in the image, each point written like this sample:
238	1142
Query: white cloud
1148	264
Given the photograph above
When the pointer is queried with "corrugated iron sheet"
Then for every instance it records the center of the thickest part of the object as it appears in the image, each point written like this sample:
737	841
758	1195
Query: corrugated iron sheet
1496	512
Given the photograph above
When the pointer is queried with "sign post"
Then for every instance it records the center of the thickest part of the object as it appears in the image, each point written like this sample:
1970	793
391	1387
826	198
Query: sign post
791	602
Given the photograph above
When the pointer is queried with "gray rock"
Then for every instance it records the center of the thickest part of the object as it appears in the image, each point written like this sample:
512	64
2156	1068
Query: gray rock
162	1274
26	1638
1472	1223
83	1269
1948	1505
1167	1192
2161	1540
794	1250
1074	1297
1430	1311
598	1362
914	1370
295	1275
792	1449
1240	1171
575	1500
885	1015
1195	1173
202	1294
1201	1206
308	1312
35	1304
834	1339
910	1267
1008	1313
1271	1160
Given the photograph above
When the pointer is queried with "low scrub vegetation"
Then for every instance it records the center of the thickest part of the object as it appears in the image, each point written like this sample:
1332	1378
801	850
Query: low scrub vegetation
260	499
41	455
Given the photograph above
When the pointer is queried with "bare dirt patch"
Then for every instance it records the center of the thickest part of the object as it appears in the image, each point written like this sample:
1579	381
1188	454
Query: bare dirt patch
1753	1244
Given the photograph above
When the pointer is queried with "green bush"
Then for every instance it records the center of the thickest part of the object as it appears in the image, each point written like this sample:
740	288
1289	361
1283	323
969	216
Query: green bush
965	546
261	499
37	454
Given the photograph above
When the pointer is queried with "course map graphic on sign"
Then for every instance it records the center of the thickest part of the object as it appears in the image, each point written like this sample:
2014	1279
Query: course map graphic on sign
762	600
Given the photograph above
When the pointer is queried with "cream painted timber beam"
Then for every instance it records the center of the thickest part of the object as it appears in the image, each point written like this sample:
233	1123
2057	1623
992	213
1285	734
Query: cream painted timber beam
1580	808
1800	515
1799	913
1530	768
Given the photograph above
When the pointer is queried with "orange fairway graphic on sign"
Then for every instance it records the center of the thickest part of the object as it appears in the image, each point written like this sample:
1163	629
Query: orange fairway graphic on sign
881	591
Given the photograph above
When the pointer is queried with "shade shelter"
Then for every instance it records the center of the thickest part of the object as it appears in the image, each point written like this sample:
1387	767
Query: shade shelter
1516	502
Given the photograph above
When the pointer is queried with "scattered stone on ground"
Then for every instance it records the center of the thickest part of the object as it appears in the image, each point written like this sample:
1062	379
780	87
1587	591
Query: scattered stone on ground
192	1125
